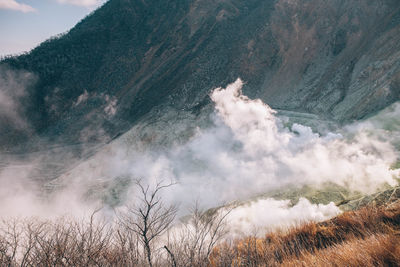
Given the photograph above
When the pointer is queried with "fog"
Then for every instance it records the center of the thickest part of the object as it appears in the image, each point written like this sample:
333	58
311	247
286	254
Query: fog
247	149
13	90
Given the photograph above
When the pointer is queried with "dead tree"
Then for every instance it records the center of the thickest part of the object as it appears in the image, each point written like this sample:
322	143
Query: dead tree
150	217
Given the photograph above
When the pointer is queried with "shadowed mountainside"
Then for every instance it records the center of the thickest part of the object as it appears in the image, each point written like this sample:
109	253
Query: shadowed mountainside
338	59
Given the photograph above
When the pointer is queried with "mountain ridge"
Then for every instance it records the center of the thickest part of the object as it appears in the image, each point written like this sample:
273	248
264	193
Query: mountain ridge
128	58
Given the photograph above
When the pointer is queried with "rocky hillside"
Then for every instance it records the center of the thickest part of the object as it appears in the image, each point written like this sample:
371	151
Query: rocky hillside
338	59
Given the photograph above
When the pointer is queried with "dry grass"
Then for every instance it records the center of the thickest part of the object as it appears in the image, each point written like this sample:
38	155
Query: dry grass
375	250
367	237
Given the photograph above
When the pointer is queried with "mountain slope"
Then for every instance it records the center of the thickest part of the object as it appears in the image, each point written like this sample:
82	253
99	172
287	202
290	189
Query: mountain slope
365	237
338	59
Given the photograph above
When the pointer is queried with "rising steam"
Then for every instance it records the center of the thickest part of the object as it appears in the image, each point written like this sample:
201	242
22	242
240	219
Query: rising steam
247	151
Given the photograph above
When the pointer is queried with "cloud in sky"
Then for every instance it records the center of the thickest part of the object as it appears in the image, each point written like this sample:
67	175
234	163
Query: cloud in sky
14	5
85	3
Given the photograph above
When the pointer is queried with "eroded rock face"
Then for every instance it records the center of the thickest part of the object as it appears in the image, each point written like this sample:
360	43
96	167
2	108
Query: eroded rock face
338	59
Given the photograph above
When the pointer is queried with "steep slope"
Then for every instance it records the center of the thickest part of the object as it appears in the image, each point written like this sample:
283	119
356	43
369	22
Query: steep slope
365	237
338	59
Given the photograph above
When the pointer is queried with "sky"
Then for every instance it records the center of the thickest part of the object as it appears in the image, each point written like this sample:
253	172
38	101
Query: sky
26	23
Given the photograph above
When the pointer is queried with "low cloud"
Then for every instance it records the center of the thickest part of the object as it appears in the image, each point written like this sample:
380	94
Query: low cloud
84	3
14	5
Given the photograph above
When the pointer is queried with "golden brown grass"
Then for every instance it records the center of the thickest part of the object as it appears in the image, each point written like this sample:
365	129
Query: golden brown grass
375	250
367	237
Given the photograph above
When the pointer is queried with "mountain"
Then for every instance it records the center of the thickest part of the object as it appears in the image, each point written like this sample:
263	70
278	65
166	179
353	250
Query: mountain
131	58
109	112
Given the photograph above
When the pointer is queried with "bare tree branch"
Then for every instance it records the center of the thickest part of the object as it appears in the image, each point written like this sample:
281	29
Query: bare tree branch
149	218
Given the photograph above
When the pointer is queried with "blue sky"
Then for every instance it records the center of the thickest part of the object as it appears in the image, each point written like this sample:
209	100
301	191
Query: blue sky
26	23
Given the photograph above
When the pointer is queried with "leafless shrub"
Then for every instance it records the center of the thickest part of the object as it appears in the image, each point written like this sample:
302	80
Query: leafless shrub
143	236
124	251
193	241
10	240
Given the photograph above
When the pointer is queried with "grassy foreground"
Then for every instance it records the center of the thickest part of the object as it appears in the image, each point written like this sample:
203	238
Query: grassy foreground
366	237
369	236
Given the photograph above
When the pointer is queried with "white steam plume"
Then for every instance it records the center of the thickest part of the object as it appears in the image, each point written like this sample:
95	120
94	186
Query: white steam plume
13	86
275	154
264	215
247	151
